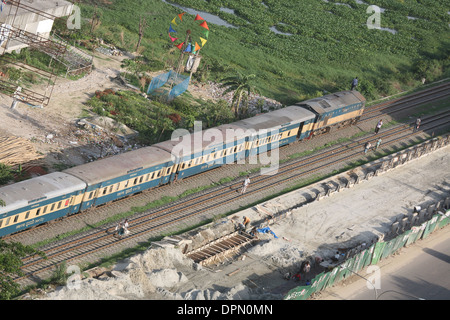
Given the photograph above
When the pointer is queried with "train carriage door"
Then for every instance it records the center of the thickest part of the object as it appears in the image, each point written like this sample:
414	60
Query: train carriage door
300	129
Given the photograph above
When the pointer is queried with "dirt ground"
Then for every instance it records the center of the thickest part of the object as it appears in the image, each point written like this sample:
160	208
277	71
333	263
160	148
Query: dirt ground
53	130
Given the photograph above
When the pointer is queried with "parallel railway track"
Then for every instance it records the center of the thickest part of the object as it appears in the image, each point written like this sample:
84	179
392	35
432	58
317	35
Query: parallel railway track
160	220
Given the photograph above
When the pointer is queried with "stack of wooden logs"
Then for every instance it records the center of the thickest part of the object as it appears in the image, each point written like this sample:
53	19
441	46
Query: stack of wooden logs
16	150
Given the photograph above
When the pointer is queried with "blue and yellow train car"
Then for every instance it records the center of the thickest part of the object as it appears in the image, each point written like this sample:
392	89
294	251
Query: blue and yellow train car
39	200
204	150
118	176
277	128
335	110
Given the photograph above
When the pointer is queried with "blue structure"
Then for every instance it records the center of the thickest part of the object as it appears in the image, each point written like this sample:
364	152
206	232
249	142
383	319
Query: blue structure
180	82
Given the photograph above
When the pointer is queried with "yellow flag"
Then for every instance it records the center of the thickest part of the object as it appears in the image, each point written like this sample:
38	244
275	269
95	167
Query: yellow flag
203	41
174	21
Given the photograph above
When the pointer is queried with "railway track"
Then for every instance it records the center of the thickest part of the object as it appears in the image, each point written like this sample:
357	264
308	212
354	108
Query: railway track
160	220
152	223
392	106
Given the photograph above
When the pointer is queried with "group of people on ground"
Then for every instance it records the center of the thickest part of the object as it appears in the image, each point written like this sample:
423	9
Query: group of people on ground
368	145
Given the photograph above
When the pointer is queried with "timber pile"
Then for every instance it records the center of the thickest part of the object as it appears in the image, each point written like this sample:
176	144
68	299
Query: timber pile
16	150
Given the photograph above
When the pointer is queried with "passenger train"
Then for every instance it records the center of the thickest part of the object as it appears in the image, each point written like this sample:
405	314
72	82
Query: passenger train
59	194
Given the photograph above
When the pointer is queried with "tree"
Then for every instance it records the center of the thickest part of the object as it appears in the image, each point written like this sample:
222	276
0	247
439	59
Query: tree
242	87
11	255
142	26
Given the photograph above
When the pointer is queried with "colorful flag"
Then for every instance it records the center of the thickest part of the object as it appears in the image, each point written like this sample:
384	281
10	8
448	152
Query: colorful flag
204	25
172	38
197	47
197	17
180	46
203	41
171	29
174	21
181	16
188	48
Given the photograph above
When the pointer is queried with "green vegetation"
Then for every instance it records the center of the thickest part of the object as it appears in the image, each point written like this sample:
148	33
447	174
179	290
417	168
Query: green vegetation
330	43
155	120
6	173
11	255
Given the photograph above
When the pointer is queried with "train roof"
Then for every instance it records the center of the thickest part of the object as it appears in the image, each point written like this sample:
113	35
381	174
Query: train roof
333	101
276	119
194	143
48	186
119	165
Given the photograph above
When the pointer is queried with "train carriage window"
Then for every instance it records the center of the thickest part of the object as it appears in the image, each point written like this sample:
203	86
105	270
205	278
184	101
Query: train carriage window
59	204
38	212
7	221
141	179
53	207
159	173
104	191
135	181
45	209
111	188
16	218
90	196
1	222
26	215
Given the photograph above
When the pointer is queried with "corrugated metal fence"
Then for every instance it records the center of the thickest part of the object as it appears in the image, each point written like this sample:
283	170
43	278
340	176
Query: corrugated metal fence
371	256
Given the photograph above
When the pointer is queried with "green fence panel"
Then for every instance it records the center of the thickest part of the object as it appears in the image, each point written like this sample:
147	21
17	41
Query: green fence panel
299	293
341	272
388	249
349	267
319	281
430	226
331	279
369	255
445	220
359	261
416	233
379	246
401	241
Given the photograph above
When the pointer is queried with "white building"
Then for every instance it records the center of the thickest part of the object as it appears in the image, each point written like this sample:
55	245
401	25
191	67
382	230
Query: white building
27	21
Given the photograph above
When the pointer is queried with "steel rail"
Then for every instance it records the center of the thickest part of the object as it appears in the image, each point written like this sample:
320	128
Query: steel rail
147	219
368	111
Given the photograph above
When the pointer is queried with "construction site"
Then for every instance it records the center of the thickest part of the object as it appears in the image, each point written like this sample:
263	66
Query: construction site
323	224
221	262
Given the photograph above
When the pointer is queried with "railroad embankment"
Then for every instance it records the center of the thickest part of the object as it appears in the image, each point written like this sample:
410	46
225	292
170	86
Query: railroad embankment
344	213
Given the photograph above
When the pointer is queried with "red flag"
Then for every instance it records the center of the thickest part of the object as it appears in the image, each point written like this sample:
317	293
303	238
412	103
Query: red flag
172	38
180	46
198	18
204	25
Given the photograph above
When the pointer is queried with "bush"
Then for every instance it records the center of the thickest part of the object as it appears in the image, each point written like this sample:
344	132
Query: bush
5	173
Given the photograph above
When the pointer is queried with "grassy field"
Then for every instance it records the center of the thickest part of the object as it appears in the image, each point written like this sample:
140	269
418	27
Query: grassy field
329	43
